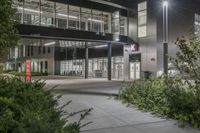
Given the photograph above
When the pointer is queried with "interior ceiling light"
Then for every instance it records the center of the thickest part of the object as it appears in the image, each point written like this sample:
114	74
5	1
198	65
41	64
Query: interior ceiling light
64	15
101	46
95	20
29	10
49	44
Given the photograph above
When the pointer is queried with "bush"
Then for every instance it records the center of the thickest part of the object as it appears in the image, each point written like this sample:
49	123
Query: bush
27	108
183	101
176	96
168	97
16	73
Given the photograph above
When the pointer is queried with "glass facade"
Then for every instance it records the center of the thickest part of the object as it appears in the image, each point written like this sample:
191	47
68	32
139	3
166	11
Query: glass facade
39	51
70	55
86	22
47	13
142	19
118	67
72	68
63	57
54	14
31	12
97	67
74	18
61	15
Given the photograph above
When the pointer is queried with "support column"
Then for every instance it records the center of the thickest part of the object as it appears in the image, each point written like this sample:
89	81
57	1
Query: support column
109	61
165	56
86	60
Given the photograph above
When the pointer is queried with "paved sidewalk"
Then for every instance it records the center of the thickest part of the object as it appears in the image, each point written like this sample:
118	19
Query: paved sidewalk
109	115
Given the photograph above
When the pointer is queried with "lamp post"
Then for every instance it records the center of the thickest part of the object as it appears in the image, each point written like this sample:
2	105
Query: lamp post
165	36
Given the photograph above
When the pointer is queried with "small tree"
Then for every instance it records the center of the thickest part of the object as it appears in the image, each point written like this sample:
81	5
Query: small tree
8	32
187	61
187	58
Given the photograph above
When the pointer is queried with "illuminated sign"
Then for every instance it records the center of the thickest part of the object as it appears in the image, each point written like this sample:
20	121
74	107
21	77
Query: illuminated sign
134	47
28	70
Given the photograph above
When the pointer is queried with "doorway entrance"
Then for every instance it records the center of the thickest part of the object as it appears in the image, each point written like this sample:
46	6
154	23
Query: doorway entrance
134	70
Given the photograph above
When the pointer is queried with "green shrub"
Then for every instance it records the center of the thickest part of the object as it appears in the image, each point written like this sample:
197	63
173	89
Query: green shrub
147	95
170	97
16	73
27	108
183	101
177	96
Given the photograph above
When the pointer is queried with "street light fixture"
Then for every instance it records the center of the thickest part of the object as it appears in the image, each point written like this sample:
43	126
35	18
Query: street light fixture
165	36
165	3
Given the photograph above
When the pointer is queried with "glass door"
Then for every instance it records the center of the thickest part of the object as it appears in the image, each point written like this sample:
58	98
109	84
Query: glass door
134	70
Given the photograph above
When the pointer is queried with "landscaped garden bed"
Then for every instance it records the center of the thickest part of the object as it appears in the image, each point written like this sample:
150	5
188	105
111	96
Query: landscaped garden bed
172	96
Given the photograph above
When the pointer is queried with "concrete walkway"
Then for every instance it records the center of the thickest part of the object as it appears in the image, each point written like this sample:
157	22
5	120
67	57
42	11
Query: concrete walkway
109	115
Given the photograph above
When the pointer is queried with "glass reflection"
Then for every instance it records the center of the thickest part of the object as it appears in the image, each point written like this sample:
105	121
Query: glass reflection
74	17
47	13
31	12
115	23
54	14
19	6
96	21
86	22
61	15
123	25
106	22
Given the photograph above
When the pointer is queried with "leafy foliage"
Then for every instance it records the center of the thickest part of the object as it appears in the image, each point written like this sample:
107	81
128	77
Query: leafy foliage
8	36
176	97
170	97
16	73
146	94
188	58
27	108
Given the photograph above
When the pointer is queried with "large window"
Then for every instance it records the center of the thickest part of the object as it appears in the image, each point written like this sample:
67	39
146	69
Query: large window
74	17
96	20
123	25
72	68
47	13
142	19
115	23
19	14
54	14
31	12
106	22
97	67
61	15
86	22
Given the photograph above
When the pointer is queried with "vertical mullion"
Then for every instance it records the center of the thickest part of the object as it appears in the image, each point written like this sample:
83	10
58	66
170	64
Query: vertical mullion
68	16
40	12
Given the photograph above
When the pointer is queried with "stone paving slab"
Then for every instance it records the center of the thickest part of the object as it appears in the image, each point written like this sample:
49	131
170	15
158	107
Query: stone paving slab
110	115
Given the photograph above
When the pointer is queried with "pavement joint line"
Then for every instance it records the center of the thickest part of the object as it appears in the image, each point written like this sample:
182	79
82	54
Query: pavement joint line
133	125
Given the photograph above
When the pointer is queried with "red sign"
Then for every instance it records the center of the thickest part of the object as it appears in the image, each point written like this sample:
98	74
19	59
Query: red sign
134	47
28	70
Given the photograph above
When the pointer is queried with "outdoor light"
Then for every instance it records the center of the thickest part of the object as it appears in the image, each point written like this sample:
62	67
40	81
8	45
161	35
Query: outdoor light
165	36
165	3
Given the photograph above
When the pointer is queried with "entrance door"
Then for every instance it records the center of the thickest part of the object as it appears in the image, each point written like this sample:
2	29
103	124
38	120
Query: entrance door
119	71
134	70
